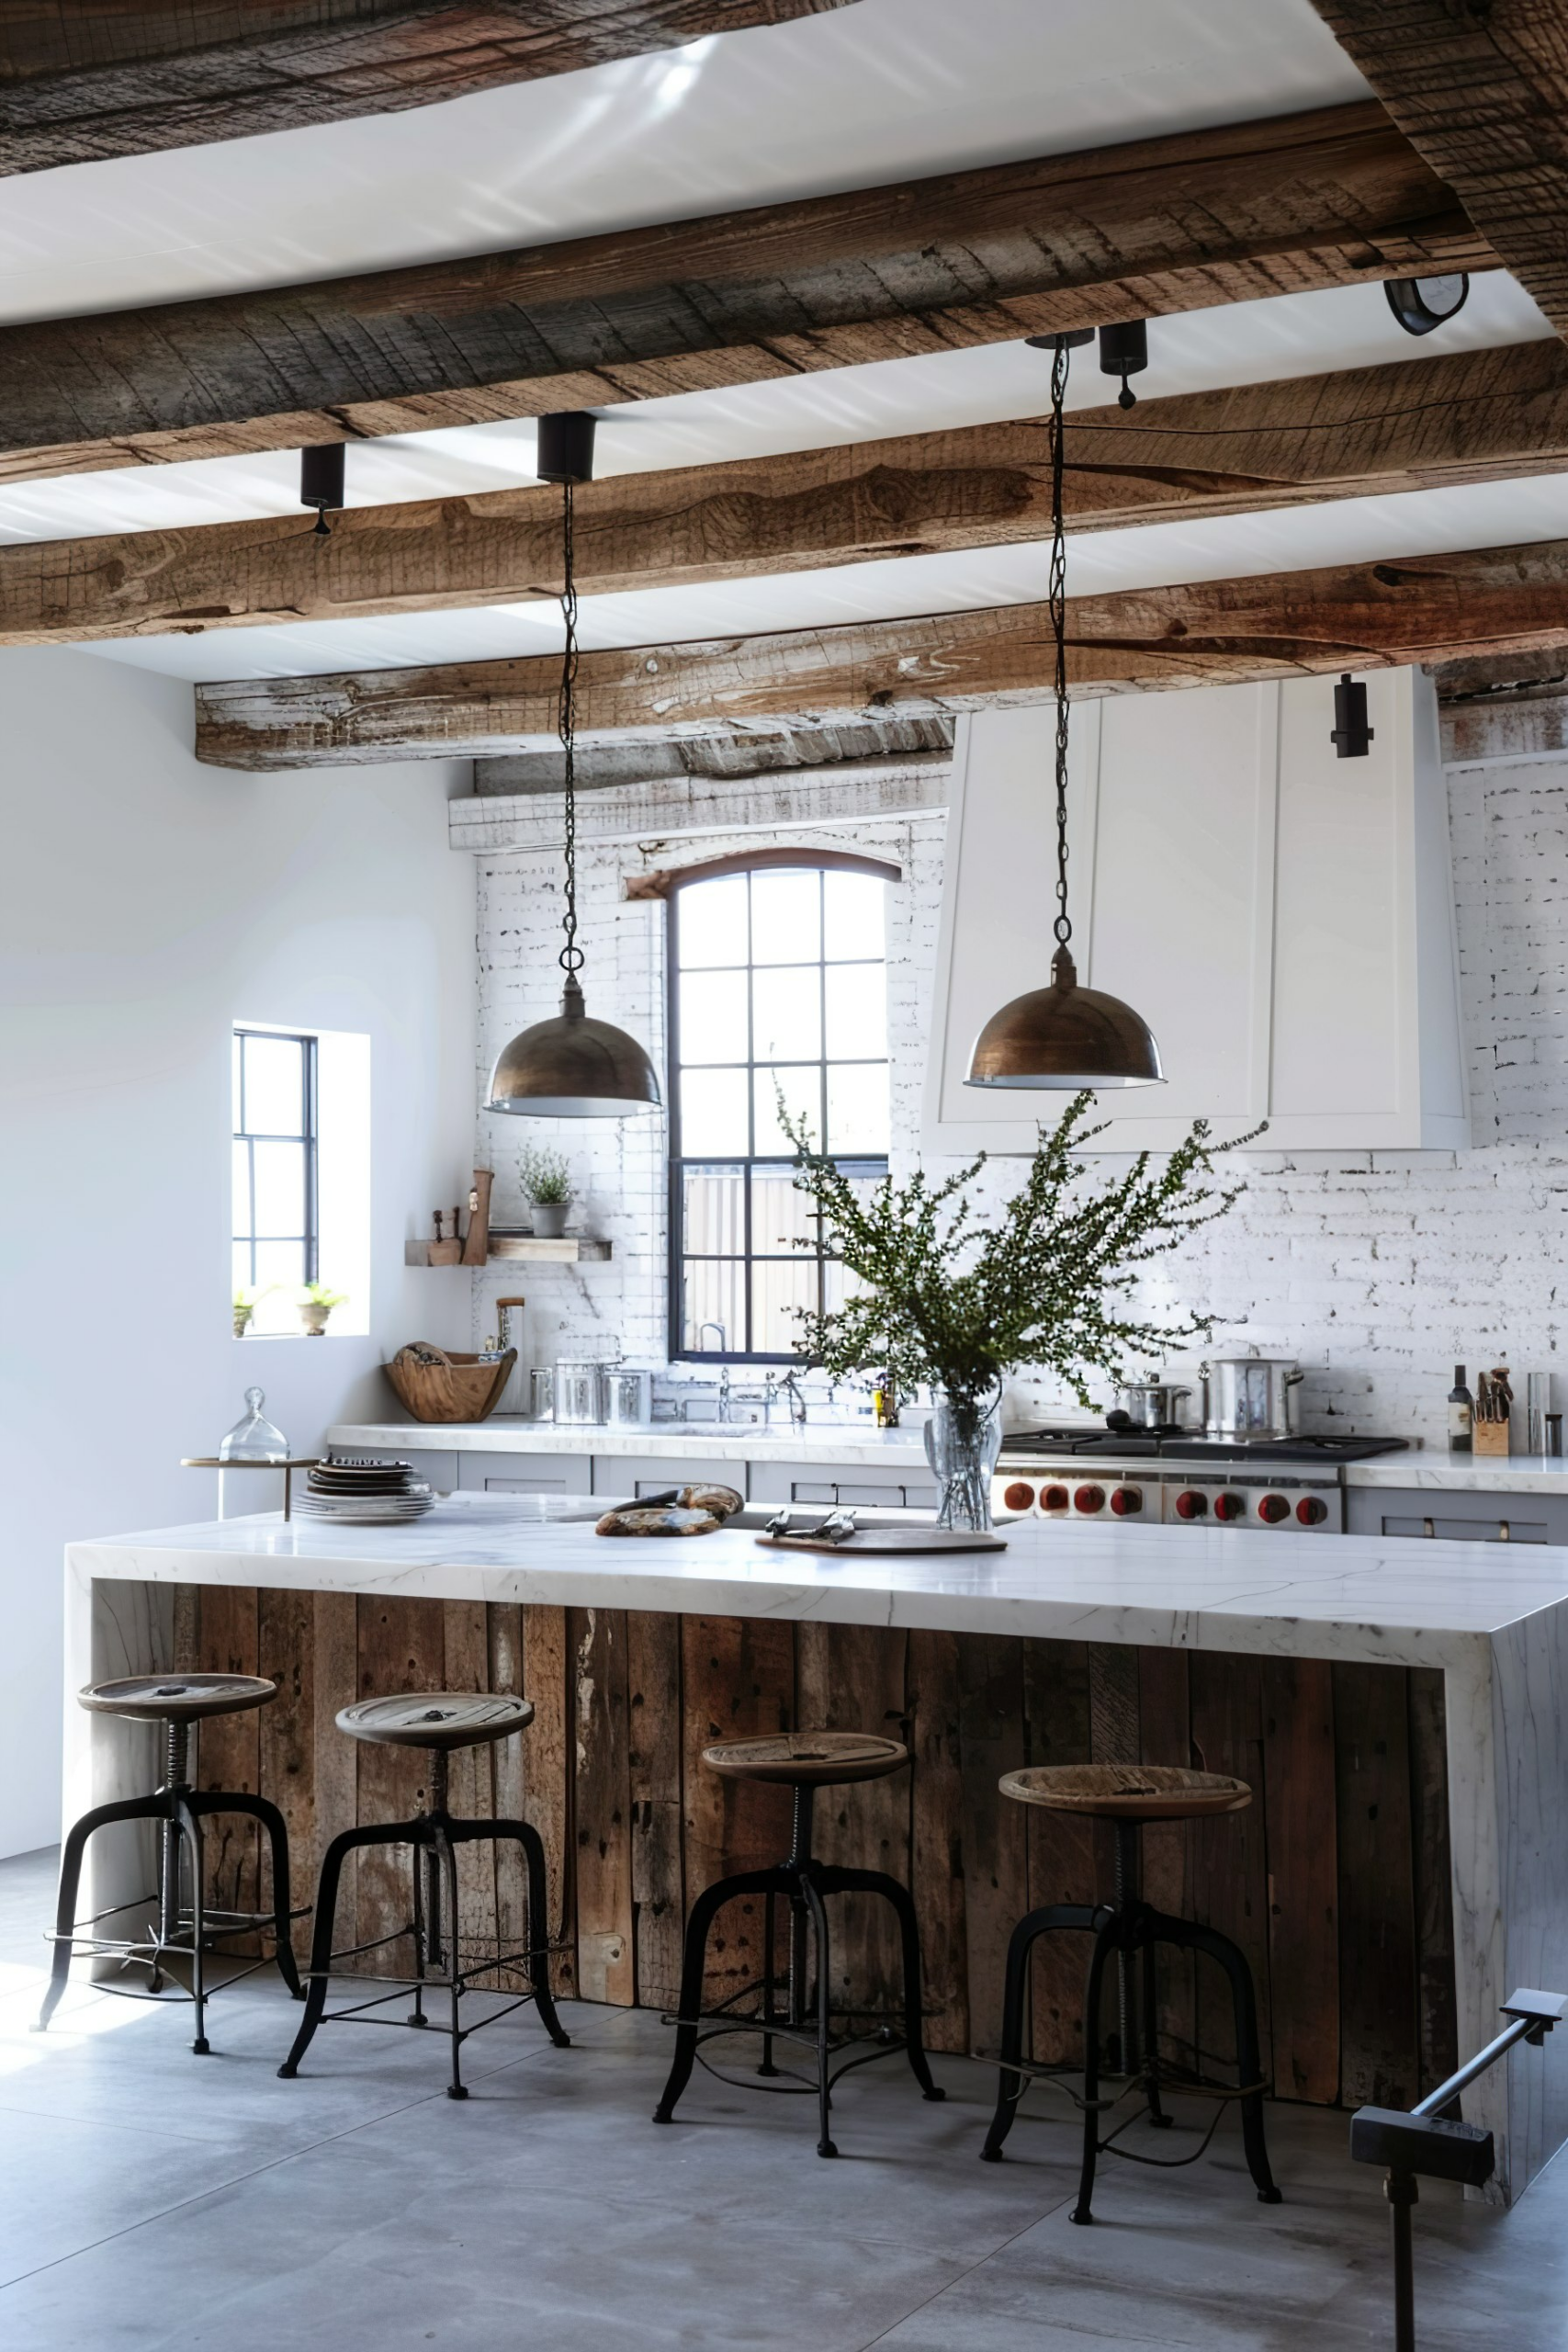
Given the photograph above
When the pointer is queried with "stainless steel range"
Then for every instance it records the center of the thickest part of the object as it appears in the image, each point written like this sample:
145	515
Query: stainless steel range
1087	1477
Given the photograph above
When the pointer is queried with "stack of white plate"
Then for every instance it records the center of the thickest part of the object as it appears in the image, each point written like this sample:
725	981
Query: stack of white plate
363	1493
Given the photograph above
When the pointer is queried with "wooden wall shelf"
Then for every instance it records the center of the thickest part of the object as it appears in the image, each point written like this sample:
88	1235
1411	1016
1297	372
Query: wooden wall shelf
505	1249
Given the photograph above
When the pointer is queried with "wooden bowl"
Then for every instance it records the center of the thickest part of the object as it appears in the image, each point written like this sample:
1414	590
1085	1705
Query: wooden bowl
437	1385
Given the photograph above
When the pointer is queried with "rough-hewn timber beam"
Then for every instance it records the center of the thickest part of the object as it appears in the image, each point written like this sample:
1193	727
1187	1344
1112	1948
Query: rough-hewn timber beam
1505	706
1221	215
77	84
720	758
1430	608
1419	423
1482	92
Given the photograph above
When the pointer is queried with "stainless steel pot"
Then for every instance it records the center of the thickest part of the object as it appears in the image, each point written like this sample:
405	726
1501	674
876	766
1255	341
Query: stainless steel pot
1151	1404
1250	1397
580	1392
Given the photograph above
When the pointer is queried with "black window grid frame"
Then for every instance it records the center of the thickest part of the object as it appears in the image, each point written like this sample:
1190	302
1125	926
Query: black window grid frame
747	1165
310	1240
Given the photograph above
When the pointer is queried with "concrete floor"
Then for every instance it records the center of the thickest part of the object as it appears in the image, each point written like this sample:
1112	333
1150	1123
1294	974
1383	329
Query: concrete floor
151	2202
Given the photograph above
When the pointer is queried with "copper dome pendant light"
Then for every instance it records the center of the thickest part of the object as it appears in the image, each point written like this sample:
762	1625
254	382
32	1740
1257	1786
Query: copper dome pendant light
1063	1036
571	1067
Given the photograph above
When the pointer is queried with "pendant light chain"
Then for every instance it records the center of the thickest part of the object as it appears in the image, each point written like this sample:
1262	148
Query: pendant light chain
1057	597
571	956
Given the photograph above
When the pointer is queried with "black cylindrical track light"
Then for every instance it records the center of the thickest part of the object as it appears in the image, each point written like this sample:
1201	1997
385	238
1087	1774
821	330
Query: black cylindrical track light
320	482
1124	351
566	446
1351	735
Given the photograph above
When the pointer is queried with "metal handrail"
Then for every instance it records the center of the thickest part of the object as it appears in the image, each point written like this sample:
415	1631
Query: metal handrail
1423	2140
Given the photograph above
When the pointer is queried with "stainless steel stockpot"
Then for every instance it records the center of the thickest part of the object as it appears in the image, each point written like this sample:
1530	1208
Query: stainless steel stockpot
1151	1404
1250	1395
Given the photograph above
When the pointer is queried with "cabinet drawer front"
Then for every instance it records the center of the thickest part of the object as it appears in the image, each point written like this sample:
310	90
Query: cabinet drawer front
1494	1529
624	1477
859	1493
526	1474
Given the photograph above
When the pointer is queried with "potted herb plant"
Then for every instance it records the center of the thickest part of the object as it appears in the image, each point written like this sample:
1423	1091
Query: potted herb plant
958	1297
245	1307
316	1304
545	1178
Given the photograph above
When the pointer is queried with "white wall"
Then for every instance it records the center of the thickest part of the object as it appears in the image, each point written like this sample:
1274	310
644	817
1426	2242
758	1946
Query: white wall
145	903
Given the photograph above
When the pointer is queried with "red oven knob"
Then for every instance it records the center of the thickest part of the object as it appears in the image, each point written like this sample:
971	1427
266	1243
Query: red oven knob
1228	1505
1273	1507
1053	1499
1089	1499
1189	1504
1312	1510
1018	1496
1125	1500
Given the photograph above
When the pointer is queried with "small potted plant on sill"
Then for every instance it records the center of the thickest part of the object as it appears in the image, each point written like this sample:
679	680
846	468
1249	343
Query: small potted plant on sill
245	1307
316	1304
545	1178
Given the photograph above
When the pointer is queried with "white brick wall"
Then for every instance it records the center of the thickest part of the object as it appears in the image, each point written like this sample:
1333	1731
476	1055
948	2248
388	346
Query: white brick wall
1378	1270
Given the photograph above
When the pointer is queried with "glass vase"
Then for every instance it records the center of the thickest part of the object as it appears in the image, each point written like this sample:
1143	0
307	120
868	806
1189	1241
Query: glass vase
962	1440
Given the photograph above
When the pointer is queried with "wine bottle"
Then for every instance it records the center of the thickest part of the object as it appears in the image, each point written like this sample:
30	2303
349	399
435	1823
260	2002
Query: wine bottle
1460	1413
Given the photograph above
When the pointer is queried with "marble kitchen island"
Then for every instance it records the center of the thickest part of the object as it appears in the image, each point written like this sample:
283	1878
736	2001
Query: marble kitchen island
1398	1709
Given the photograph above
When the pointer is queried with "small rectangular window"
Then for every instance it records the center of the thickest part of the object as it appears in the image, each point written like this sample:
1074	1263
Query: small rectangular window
275	1227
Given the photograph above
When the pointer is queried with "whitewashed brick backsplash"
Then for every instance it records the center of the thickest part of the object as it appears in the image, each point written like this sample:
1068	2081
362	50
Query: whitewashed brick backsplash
1380	1271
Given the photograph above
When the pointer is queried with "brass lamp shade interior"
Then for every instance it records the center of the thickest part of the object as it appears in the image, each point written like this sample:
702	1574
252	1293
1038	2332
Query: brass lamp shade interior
1065	1037
573	1068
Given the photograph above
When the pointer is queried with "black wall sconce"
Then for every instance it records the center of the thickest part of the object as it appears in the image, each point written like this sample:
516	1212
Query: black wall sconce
320	483
1351	735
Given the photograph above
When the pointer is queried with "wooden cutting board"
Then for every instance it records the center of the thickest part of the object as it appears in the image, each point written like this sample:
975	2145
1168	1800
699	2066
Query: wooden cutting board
891	1539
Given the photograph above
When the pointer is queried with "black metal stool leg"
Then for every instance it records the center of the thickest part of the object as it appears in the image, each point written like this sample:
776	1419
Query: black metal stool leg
418	1863
849	1882
1015	2009
399	1833
703	1910
825	2146
770	1908
1150	1988
125	1809
191	1829
1248	2058
1107	1939
533	1846
446	1862
261	1810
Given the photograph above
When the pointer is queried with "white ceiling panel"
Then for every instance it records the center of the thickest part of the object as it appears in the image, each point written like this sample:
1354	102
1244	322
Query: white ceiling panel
1358	530
886	89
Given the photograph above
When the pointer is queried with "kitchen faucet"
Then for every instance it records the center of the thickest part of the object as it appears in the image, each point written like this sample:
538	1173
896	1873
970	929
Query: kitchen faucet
723	1415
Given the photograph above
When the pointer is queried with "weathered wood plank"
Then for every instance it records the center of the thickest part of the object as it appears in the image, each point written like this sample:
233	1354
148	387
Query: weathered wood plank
996	1836
228	1750
1377	1895
1064	1865
865	1826
1165	1730
737	1681
936	1834
1460	417
1216	632
80	84
1304	1888
471	1779
504	1640
548	1749
335	1758
401	1647
1228	1854
1224	214
285	1639
607	1944
1437	2013
653	1767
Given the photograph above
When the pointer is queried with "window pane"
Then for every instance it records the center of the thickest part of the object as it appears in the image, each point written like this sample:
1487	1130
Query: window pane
780	1215
712	1111
280	1261
786	1013
854	916
715	1289
242	1184
714	1211
280	1188
779	1285
786	917
712	927
275	1101
856	998
241	1265
857	1107
713	1017
234	1050
802	1090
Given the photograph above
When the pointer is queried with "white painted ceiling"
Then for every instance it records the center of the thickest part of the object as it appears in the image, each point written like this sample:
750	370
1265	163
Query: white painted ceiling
880	90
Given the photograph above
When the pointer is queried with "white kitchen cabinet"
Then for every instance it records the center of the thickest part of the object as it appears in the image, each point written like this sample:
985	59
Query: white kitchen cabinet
535	1474
1281	918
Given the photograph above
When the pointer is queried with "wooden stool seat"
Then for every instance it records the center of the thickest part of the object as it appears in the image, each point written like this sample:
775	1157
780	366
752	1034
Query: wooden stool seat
1127	1791
176	1698
441	1720
809	1759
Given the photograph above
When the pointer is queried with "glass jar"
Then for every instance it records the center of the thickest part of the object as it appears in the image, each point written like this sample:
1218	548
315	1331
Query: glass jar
254	1439
963	1437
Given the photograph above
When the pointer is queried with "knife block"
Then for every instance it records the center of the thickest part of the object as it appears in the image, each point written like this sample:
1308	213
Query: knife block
1490	1437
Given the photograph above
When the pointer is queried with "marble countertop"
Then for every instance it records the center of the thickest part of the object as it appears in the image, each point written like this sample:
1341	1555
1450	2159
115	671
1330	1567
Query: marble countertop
857	1443
1357	1597
1502	1474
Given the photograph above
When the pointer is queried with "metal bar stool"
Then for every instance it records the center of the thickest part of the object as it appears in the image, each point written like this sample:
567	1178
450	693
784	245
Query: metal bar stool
1128	1929
180	1703
804	1762
437	1722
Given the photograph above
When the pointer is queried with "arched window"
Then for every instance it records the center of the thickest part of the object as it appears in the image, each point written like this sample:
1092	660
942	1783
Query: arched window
778	984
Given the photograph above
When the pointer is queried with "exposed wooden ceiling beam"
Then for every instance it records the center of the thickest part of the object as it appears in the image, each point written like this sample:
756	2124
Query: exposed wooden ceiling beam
1505	706
1415	424
1430	608
1219	214
600	766
1482	92
79	84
